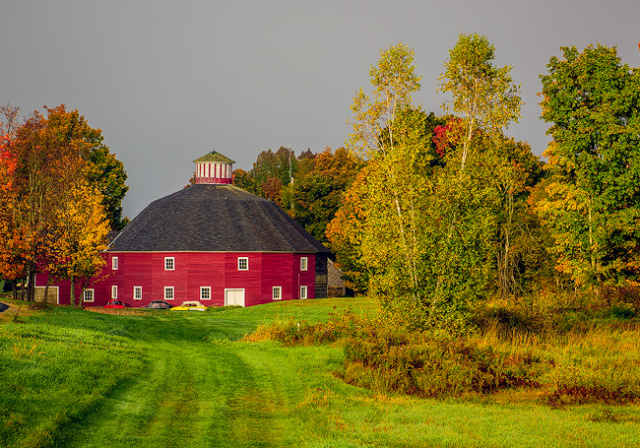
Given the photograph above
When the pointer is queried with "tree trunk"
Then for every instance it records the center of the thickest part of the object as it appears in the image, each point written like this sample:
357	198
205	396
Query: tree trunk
592	254
46	289
72	295
22	290
31	283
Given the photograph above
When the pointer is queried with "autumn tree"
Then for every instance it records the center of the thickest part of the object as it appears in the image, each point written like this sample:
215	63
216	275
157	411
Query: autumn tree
28	202
81	234
592	101
9	240
103	170
347	231
50	156
319	187
9	250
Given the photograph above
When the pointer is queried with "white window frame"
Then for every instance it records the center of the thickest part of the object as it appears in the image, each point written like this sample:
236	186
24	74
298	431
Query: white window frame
304	263
114	264
135	290
276	293
169	263
88	292
114	291
166	290
246	263
202	292
303	292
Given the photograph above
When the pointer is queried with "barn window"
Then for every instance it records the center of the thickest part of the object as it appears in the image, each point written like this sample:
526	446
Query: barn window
87	295
277	292
114	263
137	292
205	293
168	293
114	291
169	263
243	264
304	263
303	292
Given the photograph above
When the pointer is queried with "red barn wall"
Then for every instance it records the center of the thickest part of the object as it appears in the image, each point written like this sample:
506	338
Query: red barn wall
193	270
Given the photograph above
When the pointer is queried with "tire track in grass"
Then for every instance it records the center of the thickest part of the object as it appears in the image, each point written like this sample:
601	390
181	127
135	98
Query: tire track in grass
192	394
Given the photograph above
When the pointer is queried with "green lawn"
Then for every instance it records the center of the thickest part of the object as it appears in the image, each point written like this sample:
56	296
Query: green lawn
74	378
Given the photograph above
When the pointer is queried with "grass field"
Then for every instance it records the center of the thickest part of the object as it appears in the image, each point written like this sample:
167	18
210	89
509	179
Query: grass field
76	378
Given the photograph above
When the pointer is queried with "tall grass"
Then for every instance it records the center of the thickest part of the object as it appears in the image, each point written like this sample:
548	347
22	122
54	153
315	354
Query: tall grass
573	351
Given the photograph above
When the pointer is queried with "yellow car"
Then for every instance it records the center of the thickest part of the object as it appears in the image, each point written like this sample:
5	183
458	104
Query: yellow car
190	305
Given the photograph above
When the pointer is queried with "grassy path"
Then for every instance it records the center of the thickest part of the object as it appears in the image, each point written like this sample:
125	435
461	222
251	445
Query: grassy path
195	393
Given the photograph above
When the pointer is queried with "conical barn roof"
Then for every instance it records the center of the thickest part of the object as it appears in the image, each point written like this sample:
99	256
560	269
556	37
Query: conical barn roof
214	218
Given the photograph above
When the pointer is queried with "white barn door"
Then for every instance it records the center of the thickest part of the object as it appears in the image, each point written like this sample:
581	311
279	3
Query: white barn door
234	297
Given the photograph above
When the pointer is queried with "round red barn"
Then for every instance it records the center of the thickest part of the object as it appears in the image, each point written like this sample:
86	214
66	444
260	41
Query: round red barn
211	242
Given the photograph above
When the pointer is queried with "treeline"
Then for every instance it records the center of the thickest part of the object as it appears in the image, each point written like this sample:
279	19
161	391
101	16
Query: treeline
310	186
431	214
60	194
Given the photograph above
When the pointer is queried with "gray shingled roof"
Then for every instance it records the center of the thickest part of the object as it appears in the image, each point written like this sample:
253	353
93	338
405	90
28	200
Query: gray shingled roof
214	218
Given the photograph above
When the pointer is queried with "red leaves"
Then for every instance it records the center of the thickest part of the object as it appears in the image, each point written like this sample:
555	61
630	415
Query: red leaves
447	136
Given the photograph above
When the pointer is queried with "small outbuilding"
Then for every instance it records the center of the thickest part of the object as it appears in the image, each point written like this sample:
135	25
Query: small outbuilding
211	242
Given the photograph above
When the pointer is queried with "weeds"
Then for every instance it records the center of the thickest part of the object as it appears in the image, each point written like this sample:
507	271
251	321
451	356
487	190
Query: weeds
562	349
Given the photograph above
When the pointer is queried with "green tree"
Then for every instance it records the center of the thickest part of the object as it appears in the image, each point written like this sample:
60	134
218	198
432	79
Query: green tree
270	174
512	171
592	101
347	231
107	174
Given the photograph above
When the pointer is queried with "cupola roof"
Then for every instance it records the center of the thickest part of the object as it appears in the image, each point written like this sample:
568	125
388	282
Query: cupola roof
214	156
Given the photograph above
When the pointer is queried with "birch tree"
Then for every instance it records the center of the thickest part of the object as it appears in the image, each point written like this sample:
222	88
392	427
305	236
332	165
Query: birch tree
388	134
485	101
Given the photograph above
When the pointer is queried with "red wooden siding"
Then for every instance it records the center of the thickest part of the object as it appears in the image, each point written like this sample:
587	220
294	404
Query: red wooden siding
193	270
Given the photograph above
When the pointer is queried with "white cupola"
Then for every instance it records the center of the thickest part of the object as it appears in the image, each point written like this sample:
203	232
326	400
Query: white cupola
213	168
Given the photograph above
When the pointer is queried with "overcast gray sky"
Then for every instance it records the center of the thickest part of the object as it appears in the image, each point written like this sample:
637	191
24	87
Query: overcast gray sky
169	81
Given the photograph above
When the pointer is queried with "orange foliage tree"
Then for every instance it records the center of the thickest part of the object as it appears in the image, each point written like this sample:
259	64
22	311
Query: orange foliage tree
40	196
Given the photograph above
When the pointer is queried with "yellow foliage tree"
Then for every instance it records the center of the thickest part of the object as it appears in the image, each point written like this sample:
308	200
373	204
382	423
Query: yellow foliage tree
82	227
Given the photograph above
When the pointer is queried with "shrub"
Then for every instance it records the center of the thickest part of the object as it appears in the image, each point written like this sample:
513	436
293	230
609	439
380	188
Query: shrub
293	332
431	366
511	319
